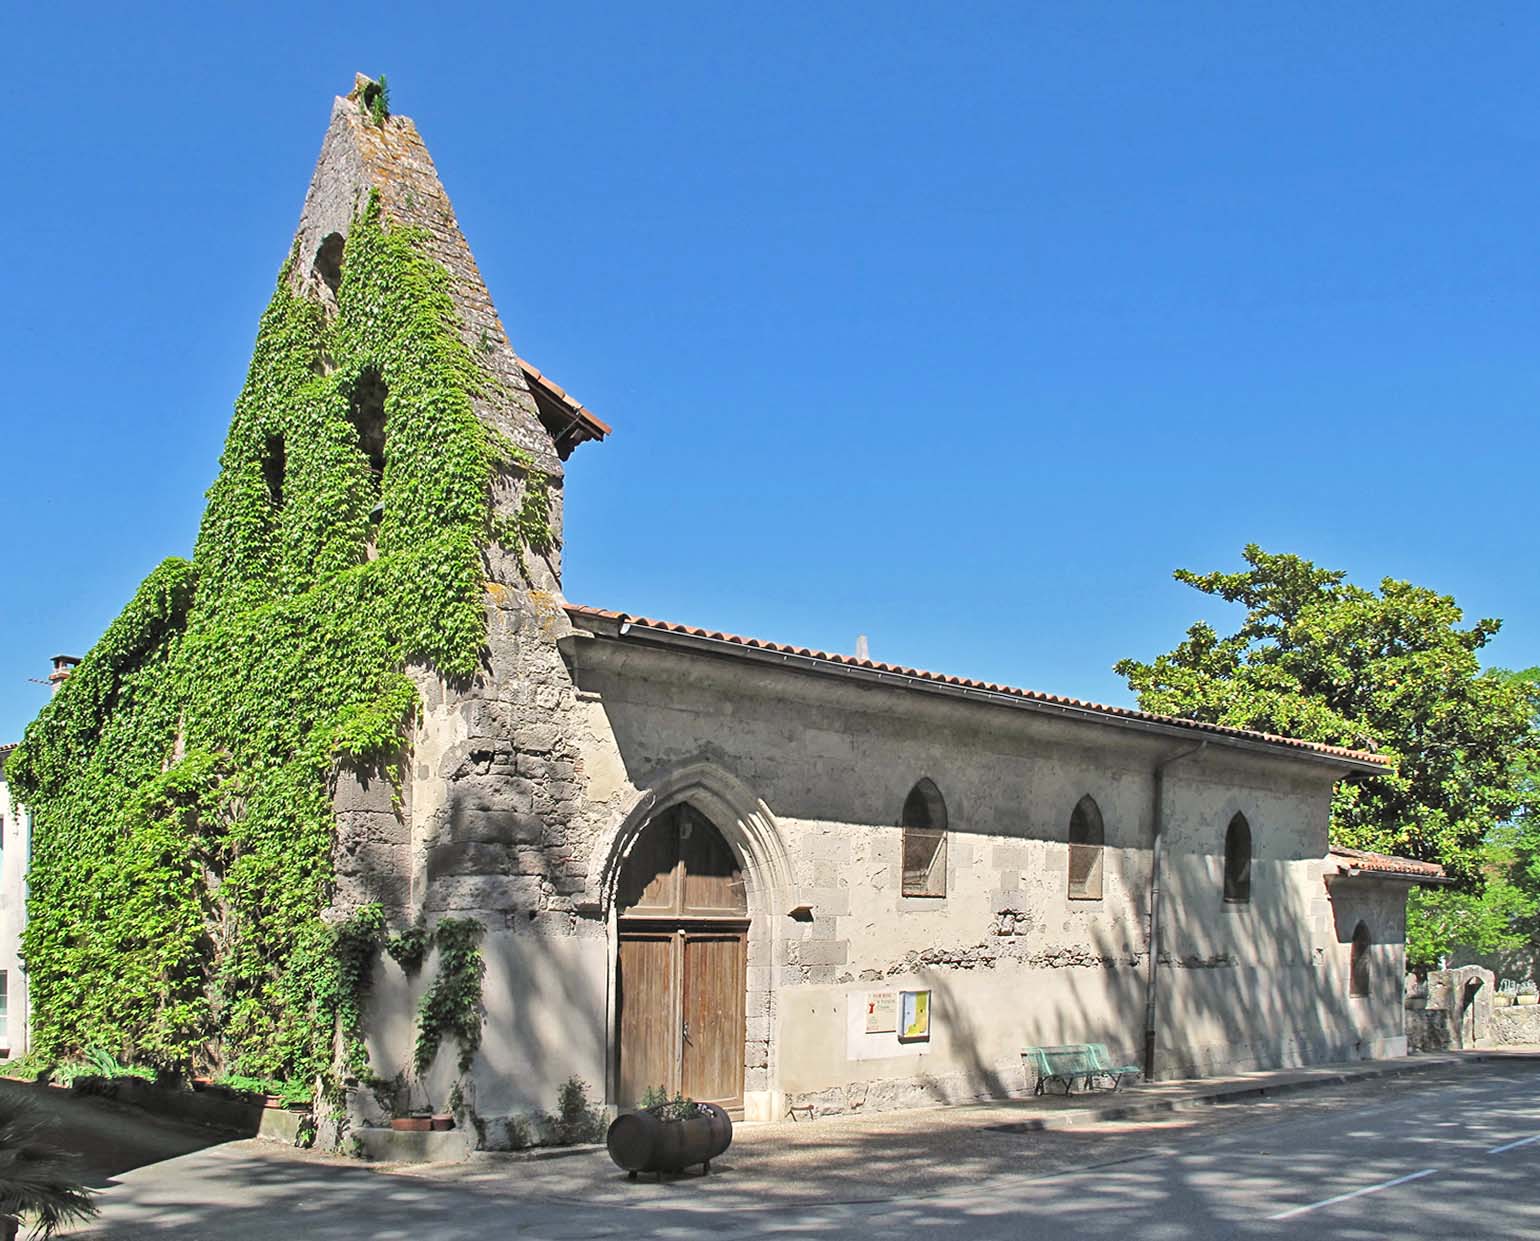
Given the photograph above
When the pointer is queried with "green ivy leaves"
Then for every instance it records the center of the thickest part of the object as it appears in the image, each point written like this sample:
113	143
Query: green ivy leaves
180	781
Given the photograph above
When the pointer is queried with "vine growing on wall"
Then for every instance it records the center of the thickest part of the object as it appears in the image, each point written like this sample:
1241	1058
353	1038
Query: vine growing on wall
451	1007
181	779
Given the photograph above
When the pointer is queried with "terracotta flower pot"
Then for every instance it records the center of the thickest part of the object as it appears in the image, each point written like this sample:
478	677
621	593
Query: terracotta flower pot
411	1124
442	1122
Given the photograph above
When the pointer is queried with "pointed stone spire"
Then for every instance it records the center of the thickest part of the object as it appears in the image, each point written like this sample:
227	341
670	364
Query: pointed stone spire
359	155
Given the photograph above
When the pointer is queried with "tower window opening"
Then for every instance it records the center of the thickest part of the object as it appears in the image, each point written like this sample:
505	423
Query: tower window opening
274	461
366	411
328	262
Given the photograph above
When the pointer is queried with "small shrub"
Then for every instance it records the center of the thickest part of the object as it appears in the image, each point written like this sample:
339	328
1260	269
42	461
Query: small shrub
576	1121
519	1137
375	100
657	1102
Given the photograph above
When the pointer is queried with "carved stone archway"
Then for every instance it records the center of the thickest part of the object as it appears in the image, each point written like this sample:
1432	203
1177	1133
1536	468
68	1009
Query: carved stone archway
749	828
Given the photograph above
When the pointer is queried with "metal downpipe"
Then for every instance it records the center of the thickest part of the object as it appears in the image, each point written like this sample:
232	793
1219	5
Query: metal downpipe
1157	865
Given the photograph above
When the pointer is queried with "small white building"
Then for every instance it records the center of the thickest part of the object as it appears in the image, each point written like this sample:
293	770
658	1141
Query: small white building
15	857
15	848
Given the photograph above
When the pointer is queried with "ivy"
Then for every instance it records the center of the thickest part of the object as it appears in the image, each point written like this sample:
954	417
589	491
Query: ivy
451	1007
409	948
181	779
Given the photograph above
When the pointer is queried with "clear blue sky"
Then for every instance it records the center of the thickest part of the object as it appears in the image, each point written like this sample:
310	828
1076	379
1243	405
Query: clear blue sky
959	330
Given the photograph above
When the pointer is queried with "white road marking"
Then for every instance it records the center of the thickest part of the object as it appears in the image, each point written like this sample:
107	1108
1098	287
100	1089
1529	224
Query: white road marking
1508	1146
1357	1193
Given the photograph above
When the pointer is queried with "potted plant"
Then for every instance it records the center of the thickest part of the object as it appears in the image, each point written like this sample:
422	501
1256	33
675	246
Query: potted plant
668	1135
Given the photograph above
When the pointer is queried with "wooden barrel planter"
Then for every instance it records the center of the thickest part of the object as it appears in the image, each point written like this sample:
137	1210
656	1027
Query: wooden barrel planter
644	1142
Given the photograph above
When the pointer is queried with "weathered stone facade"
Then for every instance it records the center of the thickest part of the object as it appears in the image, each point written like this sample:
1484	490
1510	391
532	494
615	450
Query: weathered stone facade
523	792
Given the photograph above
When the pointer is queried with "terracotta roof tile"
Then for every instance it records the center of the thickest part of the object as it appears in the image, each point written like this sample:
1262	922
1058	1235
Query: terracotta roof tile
596	427
578	612
1360	859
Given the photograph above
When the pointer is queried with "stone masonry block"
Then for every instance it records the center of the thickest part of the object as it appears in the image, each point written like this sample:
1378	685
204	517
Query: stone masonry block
830	902
537	738
489	893
466	858
824	953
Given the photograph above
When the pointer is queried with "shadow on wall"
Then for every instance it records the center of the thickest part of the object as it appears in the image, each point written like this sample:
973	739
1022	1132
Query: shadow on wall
499	856
1256	984
1247	985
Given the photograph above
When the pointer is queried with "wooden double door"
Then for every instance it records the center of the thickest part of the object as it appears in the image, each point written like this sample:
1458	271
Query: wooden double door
680	975
681	1013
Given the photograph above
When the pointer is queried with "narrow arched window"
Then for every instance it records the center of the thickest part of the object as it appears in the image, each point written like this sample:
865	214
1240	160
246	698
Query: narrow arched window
1358	962
1085	851
1238	861
924	825
274	465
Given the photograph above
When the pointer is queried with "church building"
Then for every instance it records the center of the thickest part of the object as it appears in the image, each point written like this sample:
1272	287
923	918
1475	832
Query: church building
780	879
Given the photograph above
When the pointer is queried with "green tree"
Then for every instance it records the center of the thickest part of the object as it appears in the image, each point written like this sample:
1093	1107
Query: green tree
1393	671
1500	916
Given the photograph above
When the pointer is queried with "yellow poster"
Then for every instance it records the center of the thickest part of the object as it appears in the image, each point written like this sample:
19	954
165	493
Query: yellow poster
914	1008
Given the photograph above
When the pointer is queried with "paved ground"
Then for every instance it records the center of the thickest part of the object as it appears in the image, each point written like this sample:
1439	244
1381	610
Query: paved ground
1448	1152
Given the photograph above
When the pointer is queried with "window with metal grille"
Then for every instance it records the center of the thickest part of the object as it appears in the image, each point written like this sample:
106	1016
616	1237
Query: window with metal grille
1238	861
1358	962
924	825
1085	850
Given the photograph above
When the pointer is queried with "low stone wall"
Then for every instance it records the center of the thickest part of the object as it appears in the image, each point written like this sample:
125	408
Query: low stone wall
1516	1025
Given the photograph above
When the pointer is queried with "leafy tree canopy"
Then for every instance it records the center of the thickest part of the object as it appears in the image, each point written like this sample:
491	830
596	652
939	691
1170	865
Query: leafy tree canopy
1390	670
1501	918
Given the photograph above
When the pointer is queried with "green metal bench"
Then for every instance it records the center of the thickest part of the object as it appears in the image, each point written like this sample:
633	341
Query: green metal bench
1059	1064
1105	1067
1064	1064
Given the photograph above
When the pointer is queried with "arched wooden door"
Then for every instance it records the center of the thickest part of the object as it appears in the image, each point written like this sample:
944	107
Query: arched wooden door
680	975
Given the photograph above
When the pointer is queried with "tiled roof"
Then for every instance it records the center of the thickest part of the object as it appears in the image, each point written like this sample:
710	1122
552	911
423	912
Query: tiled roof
1386	864
8	746
582	423
579	614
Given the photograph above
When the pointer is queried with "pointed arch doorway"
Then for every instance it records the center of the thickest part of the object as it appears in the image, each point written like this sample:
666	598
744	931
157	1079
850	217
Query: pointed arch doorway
680	972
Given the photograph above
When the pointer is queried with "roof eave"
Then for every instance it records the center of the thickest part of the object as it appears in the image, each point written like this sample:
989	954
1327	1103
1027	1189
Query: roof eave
1392	876
617	626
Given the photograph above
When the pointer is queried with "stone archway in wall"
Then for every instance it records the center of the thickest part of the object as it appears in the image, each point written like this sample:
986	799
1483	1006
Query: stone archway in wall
697	793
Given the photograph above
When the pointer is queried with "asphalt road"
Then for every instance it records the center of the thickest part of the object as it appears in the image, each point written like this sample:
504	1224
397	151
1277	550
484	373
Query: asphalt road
1449	1154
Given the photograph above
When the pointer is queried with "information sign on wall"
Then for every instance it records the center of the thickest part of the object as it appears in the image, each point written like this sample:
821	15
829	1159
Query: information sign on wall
881	1012
914	1016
